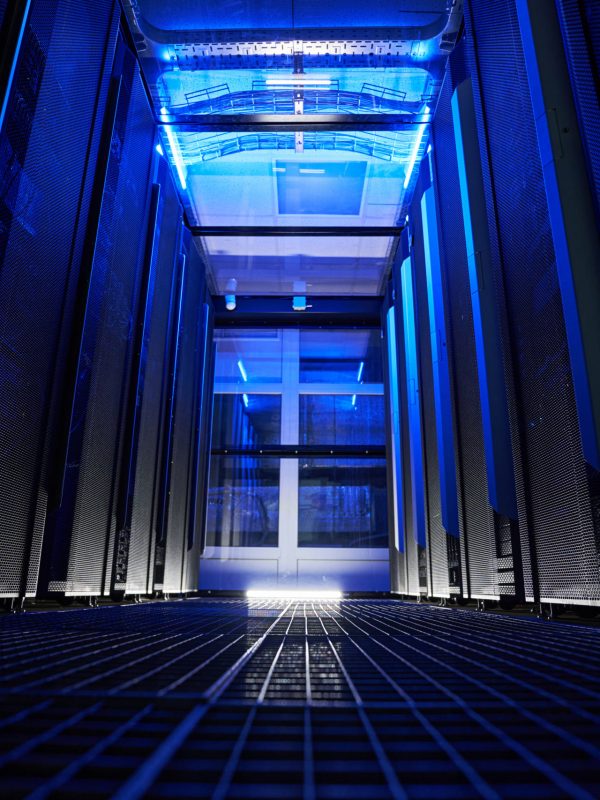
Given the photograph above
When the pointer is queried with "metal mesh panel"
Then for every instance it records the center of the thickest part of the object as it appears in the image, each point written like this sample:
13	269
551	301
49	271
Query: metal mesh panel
106	347
205	376
186	399
152	411
49	137
557	488
411	556
397	554
475	513
437	556
580	24
512	552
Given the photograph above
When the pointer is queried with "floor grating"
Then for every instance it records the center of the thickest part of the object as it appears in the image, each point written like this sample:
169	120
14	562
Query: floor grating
359	699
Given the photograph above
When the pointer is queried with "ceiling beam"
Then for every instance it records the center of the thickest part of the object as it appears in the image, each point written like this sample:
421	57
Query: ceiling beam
283	123
295	230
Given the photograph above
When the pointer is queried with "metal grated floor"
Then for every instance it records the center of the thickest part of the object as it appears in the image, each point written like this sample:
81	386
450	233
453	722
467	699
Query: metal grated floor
360	699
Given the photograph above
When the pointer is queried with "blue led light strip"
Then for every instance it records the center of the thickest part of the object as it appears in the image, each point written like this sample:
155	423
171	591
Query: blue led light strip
175	151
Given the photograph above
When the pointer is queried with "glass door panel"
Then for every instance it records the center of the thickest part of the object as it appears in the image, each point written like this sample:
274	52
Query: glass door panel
342	503
298	473
243	502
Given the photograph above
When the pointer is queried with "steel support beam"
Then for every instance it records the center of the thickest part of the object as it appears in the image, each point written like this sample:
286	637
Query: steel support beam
282	123
304	451
293	230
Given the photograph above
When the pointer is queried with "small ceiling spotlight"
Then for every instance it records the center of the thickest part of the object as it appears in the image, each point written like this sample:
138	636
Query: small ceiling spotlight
230	288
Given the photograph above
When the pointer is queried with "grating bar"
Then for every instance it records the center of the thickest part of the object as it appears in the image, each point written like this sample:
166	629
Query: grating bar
274	700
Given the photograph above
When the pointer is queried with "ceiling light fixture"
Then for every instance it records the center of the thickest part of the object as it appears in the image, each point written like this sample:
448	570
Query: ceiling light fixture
310	595
299	80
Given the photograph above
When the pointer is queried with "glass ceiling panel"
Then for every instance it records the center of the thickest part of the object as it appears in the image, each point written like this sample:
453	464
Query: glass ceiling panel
326	178
203	15
288	265
398	90
211	64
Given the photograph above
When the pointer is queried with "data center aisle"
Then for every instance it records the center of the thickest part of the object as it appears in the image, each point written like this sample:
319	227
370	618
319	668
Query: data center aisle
261	699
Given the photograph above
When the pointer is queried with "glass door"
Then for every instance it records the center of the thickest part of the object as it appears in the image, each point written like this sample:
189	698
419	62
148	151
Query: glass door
297	493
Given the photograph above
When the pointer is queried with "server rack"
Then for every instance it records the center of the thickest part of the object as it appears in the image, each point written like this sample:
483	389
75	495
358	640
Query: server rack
49	144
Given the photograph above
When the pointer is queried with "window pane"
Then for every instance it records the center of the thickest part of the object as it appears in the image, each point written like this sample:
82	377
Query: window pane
243	502
248	356
342	419
342	503
246	420
340	356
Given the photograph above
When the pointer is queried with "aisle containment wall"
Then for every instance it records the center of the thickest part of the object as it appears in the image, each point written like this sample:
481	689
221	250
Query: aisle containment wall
527	489
103	338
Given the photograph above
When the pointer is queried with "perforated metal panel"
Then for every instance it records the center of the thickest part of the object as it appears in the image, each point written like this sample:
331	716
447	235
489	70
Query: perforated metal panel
187	397
145	501
580	25
475	513
47	152
557	488
437	555
100	403
411	561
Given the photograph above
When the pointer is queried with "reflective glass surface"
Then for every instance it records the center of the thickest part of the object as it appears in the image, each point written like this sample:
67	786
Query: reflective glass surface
248	356
228	81
263	178
340	356
243	502
277	265
203	15
342	419
391	90
246	420
342	503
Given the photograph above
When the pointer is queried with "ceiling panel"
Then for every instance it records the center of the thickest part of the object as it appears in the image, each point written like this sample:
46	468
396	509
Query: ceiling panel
256	102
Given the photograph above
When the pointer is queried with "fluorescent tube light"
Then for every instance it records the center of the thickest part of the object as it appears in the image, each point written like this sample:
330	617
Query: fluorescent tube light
242	370
415	150
311	171
360	371
159	149
299	80
175	151
293	594
245	399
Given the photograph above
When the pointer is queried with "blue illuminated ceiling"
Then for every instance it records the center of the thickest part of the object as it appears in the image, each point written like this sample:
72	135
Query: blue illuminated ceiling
245	90
192	17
